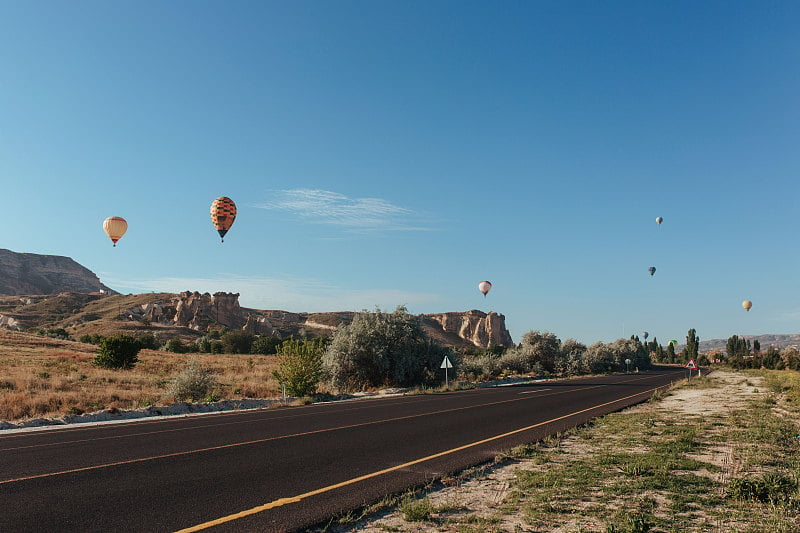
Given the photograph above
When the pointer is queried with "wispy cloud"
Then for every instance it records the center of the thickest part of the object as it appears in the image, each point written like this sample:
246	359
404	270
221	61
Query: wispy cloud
356	214
291	294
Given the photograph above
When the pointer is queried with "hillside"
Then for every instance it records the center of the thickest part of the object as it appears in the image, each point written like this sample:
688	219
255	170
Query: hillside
49	292
777	340
191	314
22	273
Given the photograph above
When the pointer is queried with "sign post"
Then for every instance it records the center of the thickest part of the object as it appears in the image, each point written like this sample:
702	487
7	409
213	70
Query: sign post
446	364
627	366
691	365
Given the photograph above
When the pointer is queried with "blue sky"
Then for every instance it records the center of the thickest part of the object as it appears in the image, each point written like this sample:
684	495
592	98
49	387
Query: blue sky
384	153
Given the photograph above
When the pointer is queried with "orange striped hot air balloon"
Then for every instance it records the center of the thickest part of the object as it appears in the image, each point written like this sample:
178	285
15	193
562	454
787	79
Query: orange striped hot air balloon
223	213
115	228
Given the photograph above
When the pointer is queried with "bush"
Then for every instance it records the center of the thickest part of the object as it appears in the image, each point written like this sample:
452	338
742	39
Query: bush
300	366
384	349
236	341
91	339
195	383
117	352
265	345
175	346
148	341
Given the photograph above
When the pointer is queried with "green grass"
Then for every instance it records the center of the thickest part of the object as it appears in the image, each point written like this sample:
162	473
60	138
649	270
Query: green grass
644	474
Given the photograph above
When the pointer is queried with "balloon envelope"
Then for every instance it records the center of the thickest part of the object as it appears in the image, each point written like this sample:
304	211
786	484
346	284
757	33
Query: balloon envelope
673	342
747	304
484	287
652	270
659	220
115	228
223	213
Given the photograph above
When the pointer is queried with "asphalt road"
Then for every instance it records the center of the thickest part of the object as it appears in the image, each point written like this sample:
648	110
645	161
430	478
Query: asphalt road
281	469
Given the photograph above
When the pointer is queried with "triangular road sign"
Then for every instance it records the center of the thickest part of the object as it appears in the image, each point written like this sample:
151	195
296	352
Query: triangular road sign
691	364
446	363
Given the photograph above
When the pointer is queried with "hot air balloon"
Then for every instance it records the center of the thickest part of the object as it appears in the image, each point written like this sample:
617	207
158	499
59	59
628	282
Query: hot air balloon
659	220
652	270
115	228
223	213
747	304
646	335
484	287
673	342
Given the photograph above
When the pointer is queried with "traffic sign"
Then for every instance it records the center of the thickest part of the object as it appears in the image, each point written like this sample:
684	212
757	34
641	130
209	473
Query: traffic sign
691	364
446	364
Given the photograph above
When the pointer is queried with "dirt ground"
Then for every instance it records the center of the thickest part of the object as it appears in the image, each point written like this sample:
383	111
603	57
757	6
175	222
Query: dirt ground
482	495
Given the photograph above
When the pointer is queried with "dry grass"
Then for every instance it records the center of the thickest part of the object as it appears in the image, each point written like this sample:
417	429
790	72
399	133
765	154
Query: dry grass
44	377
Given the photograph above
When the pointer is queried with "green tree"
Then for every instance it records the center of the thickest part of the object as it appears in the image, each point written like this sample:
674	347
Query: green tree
670	357
383	349
120	351
265	345
175	345
692	345
237	341
737	346
542	348
300	365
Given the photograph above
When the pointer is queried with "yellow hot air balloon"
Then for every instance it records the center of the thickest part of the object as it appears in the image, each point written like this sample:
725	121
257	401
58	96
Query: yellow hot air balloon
223	213
484	287
115	228
747	304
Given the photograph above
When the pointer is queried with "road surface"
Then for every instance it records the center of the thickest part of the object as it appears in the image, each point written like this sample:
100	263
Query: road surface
281	469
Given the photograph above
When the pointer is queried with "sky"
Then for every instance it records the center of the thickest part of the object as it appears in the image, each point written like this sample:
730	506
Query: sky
386	153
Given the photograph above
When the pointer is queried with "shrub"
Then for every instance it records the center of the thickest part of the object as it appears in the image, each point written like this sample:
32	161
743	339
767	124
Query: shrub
237	341
380	349
416	510
175	346
194	383
148	341
300	366
116	352
265	345
91	339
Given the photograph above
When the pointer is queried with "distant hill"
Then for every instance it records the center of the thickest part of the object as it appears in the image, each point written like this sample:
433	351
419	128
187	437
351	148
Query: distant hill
22	273
777	340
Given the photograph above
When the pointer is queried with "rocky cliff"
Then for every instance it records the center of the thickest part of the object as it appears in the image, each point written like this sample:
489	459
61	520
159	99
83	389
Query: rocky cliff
201	312
44	274
481	329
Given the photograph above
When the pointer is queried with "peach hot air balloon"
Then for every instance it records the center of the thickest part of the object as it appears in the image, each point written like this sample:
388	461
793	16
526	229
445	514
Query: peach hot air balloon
484	287
223	213
115	228
747	304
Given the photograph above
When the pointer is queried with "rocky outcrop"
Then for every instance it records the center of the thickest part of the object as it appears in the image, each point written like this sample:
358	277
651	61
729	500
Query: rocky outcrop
199	311
481	329
45	274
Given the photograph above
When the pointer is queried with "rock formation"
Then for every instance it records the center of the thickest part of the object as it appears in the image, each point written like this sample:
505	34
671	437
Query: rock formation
45	274
481	329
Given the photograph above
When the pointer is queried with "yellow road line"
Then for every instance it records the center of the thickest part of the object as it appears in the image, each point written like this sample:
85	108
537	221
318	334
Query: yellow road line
296	499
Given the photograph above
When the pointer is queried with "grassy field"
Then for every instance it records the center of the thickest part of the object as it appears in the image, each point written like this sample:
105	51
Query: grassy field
44	377
719	454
